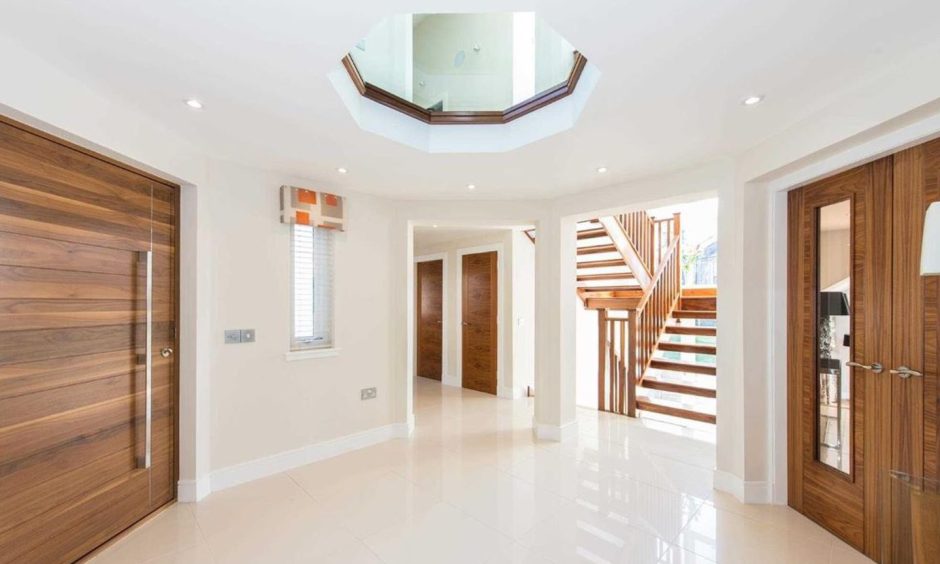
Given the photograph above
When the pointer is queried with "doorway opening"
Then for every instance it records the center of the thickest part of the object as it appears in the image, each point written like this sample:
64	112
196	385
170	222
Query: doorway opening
475	308
647	316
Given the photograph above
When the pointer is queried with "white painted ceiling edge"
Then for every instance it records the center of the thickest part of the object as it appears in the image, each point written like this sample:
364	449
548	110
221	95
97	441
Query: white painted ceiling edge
494	138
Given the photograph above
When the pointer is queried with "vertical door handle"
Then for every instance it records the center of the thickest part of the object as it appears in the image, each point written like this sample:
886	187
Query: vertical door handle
874	367
148	384
905	372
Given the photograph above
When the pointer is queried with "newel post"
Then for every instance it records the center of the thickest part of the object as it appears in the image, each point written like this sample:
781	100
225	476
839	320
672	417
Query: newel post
631	363
601	358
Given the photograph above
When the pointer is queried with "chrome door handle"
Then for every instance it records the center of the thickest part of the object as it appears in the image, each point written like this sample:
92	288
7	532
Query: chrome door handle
873	367
466	323
167	352
147	257
905	372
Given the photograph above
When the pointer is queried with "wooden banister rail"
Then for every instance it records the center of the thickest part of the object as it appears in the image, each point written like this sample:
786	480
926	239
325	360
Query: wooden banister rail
654	309
627	248
626	345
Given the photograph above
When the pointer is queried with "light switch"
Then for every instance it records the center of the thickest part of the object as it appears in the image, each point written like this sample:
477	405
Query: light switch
232	336
248	335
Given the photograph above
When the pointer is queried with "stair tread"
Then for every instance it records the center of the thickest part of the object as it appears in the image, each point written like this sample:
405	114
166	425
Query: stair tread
666	385
597	249
694	314
606	276
694	348
667	407
683	366
617	288
675	329
592	232
601	263
690	378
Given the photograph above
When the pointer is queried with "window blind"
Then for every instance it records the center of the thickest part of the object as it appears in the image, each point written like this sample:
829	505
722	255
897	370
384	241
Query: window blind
312	287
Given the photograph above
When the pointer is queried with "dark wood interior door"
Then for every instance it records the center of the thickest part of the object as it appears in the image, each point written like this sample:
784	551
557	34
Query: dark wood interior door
430	314
839	323
479	311
915	322
77	462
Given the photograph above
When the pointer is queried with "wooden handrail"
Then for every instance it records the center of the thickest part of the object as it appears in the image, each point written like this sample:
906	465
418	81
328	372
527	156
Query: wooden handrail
626	346
621	240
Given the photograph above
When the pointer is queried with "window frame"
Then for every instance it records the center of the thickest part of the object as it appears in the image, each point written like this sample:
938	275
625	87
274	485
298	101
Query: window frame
298	349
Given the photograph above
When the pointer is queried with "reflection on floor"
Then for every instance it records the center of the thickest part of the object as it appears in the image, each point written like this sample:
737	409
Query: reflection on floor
474	486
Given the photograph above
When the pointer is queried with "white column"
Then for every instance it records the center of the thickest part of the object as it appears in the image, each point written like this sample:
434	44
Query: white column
555	347
744	440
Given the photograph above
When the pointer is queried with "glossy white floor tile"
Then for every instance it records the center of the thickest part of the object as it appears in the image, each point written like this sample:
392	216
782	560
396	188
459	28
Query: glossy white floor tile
474	486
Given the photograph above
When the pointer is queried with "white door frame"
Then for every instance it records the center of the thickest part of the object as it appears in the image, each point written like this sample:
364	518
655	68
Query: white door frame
500	345
444	317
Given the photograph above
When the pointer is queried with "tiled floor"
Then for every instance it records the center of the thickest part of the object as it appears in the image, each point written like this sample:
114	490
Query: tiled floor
473	485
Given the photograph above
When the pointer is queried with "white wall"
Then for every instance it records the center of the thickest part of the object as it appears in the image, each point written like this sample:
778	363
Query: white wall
484	80
263	404
522	312
516	314
586	353
386	57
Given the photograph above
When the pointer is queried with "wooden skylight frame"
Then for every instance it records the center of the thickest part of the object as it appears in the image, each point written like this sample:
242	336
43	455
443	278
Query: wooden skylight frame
432	117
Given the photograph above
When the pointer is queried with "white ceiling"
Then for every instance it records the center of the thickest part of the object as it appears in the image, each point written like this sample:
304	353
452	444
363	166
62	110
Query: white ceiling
673	75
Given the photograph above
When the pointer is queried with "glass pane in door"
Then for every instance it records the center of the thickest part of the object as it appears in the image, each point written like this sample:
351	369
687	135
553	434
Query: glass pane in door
834	335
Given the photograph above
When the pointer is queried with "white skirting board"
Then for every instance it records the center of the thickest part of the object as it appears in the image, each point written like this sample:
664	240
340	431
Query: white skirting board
546	432
194	490
745	492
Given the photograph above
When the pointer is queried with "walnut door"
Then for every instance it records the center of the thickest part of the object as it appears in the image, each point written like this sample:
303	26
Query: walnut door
893	391
479	321
430	318
87	266
913	368
839	339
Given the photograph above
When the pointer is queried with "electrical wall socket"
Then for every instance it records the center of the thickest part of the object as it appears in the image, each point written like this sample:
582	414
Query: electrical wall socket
367	393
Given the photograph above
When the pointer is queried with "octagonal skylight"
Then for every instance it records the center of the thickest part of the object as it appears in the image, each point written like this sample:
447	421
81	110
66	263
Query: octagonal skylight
464	68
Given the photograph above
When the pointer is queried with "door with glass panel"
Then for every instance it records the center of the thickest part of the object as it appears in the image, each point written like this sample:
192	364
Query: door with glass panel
840	334
87	347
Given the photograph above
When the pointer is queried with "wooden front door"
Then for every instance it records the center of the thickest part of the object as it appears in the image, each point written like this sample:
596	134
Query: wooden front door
479	310
859	314
87	444
430	290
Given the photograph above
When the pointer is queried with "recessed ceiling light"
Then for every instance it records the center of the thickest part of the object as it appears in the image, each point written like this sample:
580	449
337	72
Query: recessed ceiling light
341	170
601	169
434	226
471	186
752	100
194	104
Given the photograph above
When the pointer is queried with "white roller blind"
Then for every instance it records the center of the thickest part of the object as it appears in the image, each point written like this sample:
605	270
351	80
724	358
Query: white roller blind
312	287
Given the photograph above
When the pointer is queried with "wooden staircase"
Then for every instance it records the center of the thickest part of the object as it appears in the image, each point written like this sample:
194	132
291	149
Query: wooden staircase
656	341
683	367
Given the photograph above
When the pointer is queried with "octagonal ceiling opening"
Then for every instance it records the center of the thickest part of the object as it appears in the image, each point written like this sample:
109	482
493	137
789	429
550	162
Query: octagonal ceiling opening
486	68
